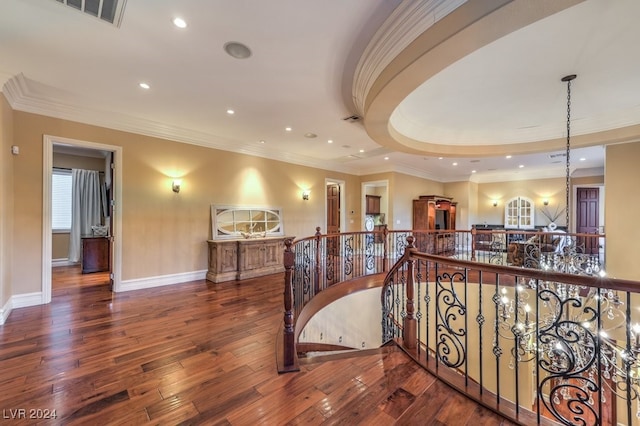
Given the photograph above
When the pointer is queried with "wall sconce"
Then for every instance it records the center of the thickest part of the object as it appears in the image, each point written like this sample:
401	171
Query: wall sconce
305	195
495	203
545	202
176	185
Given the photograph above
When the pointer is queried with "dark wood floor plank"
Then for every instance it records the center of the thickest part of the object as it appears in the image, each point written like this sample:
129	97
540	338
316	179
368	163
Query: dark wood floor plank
199	353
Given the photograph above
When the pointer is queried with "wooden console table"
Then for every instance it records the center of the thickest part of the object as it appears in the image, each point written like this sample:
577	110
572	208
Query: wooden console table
248	258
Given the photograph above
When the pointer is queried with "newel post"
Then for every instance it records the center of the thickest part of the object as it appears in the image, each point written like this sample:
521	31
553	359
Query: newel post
288	332
409	335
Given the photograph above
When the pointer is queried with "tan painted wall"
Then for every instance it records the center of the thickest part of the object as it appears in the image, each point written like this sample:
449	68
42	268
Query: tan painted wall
6	200
536	189
463	194
622	176
164	232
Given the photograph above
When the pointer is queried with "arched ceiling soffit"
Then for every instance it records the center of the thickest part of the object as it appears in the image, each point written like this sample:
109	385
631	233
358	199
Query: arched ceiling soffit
486	79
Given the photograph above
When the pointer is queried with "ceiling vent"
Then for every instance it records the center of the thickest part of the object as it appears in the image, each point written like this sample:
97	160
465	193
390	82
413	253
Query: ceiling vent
564	154
105	10
352	118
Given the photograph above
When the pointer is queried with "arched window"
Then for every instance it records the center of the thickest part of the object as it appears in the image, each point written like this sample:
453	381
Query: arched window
519	213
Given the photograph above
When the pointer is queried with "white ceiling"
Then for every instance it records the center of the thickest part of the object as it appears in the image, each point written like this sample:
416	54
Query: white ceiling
61	62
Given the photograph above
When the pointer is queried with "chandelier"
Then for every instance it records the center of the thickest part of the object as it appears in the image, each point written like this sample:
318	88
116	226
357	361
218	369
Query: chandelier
571	332
573	257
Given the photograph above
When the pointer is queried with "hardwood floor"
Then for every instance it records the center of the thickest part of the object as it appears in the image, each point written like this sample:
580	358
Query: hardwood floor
71	276
200	353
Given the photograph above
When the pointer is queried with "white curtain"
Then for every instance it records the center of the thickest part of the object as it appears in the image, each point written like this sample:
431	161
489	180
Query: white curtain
85	208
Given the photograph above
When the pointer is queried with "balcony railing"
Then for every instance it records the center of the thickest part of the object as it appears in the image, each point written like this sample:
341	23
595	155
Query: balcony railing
537	345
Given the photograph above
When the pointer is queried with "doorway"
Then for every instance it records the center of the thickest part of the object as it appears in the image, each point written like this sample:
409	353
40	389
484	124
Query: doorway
115	250
380	217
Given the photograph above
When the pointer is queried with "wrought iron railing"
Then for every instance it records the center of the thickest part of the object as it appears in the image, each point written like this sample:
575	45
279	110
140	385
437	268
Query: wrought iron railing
538	346
527	341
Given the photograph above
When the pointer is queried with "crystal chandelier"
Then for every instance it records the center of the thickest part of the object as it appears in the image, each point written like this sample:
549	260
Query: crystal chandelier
571	333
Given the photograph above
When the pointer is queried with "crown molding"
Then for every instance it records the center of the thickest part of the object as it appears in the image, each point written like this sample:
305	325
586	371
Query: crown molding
408	21
20	98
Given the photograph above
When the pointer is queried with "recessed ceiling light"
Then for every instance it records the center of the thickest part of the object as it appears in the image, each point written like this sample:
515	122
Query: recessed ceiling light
583	159
237	50
179	22
473	171
310	135
454	164
144	85
521	166
261	140
230	112
507	157
330	141
362	150
288	129
440	158
386	158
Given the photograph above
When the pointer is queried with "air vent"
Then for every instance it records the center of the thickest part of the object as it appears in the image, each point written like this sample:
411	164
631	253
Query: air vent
564	154
105	10
352	118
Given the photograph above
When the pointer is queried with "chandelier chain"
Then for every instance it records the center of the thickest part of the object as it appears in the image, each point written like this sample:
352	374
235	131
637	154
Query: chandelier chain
568	153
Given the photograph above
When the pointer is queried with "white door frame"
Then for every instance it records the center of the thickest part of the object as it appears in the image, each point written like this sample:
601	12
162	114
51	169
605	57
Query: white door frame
374	184
47	161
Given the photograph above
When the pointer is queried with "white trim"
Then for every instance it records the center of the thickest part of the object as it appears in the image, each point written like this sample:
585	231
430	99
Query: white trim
47	230
5	311
21	98
48	142
25	300
363	191
62	262
162	280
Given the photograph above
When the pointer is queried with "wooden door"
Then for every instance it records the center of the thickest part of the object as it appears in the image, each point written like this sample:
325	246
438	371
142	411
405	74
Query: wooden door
333	217
587	217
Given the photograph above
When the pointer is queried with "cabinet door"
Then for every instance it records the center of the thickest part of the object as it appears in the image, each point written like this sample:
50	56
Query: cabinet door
420	214
252	256
373	204
272	252
228	257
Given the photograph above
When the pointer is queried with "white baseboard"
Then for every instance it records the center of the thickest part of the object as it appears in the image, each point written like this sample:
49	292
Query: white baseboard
19	301
160	281
25	300
5	311
62	262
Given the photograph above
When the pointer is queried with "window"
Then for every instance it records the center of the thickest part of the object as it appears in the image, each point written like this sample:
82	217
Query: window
61	201
518	213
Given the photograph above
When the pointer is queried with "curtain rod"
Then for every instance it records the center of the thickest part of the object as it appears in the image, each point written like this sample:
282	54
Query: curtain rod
69	169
